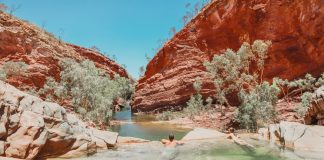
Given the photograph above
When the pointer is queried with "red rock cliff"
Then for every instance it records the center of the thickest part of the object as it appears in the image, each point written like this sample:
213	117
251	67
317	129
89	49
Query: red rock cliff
296	29
22	41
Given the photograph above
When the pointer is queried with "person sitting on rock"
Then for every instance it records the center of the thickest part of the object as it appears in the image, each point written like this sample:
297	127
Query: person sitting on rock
171	142
235	138
231	134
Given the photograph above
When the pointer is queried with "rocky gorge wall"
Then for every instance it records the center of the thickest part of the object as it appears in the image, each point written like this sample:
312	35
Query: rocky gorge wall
31	128
296	29
41	51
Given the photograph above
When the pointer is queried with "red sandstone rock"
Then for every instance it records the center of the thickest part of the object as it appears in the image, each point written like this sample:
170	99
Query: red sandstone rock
22	41
101	61
315	112
296	29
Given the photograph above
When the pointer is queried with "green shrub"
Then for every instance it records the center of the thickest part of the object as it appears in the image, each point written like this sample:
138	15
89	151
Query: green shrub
49	87
306	84
209	102
32	91
231	70
257	106
89	89
3	75
299	86
166	116
12	68
124	86
305	102
195	103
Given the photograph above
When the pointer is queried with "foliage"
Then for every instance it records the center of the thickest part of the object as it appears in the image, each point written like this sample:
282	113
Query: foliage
95	48
197	86
166	116
231	71
306	101
194	10
50	88
32	91
141	71
13	8
88	88
209	101
123	86
307	84
303	86
3	75
257	105
12	68
195	104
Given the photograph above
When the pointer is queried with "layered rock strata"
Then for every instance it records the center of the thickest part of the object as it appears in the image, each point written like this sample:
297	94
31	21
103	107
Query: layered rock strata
294	27
24	42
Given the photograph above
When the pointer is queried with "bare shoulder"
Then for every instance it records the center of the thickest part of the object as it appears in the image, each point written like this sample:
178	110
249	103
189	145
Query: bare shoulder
164	141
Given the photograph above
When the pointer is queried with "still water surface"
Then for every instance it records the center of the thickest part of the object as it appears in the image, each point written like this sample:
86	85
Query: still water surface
142	126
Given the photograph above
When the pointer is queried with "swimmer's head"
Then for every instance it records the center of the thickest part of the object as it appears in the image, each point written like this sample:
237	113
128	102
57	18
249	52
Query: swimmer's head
171	137
231	130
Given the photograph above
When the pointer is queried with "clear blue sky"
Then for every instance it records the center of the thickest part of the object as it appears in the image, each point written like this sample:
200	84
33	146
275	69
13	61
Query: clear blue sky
128	29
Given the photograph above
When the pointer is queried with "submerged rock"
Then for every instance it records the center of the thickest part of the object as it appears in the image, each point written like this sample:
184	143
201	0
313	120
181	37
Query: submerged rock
31	127
129	140
202	134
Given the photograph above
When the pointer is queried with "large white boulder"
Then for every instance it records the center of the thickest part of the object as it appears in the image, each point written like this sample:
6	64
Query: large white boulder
303	139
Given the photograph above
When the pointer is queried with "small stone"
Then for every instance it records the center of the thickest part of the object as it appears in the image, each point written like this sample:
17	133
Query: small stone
2	148
3	130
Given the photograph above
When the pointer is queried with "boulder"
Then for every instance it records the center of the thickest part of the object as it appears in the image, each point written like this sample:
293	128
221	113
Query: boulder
299	137
33	128
263	133
311	140
108	139
315	112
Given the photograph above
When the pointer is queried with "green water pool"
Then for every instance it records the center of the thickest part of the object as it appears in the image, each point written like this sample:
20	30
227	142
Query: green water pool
145	127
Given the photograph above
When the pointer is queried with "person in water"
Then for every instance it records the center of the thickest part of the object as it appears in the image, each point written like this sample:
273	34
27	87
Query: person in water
231	135
170	151
171	142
